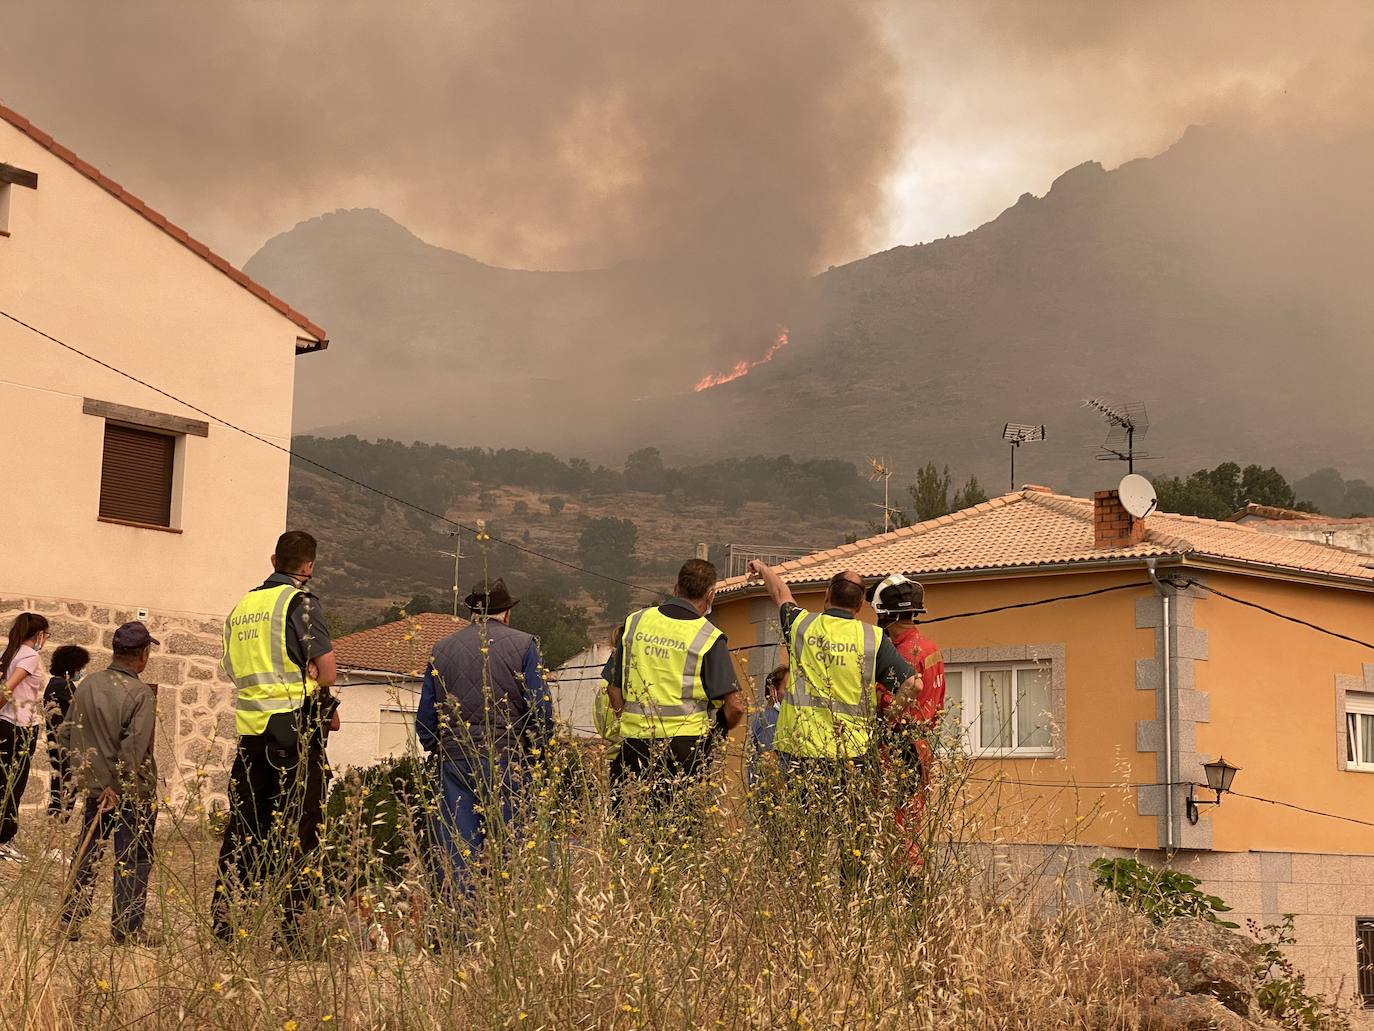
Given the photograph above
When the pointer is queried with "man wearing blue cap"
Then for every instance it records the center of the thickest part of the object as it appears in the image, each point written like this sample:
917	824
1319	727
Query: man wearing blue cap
108	733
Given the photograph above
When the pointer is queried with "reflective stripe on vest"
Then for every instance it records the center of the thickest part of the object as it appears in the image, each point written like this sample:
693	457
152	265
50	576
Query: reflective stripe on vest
257	661
661	680
828	709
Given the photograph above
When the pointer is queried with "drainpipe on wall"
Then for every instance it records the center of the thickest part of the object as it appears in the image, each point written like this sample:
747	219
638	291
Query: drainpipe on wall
1168	684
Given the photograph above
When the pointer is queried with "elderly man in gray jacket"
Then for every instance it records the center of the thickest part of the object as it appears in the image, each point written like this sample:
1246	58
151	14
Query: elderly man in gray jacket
108	733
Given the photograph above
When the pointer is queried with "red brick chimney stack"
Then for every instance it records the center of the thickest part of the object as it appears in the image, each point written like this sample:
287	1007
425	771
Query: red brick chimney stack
1113	526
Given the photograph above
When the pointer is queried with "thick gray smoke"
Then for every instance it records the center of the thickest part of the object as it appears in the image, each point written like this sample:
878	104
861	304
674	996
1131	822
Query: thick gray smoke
741	146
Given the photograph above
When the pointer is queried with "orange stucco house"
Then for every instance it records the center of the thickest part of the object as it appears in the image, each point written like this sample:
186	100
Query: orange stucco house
1099	710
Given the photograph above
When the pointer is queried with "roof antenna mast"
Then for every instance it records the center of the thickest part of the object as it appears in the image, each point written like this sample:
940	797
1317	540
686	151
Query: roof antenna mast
1125	422
881	469
1016	434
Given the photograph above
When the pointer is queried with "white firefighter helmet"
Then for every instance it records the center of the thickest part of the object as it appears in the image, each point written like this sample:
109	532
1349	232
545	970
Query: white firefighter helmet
897	595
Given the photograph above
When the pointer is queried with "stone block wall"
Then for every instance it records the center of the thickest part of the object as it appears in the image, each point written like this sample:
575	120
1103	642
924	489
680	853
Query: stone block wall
195	701
1326	894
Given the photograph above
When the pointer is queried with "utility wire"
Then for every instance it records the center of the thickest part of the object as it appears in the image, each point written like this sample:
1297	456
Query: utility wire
1304	809
1032	604
1273	612
319	465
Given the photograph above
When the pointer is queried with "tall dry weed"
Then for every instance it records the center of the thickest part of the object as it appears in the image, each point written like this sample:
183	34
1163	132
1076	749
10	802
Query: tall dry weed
744	907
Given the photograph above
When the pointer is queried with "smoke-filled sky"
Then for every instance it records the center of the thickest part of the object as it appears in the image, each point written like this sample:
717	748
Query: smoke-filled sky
777	134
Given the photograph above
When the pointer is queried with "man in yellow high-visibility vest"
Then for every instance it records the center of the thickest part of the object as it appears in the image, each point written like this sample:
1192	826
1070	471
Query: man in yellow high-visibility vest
669	679
827	725
274	640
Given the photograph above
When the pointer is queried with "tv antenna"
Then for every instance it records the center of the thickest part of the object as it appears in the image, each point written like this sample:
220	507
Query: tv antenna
1125	422
881	469
1016	434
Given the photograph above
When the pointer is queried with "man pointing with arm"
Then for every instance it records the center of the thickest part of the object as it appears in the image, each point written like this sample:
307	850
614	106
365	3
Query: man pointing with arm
829	708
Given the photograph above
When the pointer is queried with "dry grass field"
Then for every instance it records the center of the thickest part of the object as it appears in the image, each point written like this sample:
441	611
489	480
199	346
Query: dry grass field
738	918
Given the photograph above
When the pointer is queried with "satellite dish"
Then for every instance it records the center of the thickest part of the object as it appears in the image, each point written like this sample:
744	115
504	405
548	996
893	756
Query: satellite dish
1137	495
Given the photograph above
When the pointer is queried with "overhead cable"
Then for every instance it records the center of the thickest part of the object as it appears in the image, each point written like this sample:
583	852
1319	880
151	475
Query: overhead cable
331	471
1273	612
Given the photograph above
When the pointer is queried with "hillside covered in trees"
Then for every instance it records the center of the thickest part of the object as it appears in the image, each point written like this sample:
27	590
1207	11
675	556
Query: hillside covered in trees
636	523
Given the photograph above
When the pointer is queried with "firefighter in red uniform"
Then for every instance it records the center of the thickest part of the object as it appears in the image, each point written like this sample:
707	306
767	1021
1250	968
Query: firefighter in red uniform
898	600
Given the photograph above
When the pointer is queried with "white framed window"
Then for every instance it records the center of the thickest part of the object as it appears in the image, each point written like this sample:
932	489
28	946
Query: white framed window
1359	731
998	709
395	732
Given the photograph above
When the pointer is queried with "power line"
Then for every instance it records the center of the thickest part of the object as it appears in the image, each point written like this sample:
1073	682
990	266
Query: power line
320	465
1304	809
1033	604
1273	612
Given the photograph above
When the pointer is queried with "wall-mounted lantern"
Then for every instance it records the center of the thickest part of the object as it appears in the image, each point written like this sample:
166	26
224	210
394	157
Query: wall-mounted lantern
1220	773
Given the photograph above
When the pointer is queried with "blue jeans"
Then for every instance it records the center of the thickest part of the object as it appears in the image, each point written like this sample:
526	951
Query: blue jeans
477	808
132	824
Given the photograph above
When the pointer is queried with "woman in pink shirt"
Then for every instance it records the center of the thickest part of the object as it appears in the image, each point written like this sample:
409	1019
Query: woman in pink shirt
21	715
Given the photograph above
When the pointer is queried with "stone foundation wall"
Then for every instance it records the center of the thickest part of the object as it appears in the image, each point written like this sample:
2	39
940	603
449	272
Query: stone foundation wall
1325	893
195	701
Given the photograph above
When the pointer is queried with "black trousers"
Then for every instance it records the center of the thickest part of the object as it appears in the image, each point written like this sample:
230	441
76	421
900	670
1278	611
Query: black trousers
276	806
132	824
16	754
830	800
61	799
666	767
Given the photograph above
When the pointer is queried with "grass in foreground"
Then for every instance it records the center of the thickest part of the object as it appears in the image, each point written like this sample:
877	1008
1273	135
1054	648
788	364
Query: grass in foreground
742	919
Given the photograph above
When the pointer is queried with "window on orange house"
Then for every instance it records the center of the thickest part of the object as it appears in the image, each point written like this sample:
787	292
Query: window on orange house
1359	731
1000	709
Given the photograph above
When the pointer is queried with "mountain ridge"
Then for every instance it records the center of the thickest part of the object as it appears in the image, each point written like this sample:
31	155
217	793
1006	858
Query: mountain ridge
1216	280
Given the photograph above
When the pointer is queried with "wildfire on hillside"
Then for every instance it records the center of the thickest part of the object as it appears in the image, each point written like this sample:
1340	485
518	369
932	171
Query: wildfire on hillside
742	367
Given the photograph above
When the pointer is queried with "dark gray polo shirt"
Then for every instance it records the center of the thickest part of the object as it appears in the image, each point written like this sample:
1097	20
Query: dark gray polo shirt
717	671
891	669
306	635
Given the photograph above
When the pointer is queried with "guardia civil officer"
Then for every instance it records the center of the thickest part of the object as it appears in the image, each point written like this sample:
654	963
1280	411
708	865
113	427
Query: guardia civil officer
274	639
668	675
828	720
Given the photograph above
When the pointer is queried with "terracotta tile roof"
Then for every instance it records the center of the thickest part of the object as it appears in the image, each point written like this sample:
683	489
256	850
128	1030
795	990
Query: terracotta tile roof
1035	528
401	647
1271	512
319	337
1288	516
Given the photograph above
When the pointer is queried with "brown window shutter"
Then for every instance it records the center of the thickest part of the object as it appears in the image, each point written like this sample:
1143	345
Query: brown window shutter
136	476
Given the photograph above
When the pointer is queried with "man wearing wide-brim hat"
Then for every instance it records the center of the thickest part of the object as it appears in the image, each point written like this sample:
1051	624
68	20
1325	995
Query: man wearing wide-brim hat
484	709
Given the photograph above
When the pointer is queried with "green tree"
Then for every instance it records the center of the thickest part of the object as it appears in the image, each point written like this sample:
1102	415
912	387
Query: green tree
556	505
1265	487
930	492
607	545
1325	489
1194	496
560	627
644	470
970	494
1221	492
1359	499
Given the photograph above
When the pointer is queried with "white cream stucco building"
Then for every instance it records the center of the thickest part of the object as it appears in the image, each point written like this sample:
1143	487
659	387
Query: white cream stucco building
122	500
381	670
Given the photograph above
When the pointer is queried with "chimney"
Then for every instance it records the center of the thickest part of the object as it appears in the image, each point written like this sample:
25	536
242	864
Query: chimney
1113	526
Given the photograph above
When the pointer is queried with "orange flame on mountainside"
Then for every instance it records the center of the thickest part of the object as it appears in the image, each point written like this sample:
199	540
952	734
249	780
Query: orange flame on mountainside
742	367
